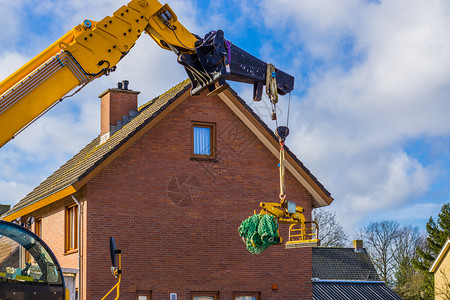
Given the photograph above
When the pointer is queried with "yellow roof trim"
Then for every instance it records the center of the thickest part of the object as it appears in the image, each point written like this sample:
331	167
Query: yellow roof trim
440	256
69	190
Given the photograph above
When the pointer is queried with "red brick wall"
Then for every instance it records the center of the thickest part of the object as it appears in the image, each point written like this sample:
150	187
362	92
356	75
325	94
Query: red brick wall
176	219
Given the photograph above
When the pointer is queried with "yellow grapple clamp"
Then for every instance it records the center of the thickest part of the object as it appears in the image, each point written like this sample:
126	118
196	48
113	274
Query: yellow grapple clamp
301	232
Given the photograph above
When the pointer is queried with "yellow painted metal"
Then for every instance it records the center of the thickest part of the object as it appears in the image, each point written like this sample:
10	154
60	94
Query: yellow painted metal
283	216
96	48
41	203
32	104
179	37
67	295
37	61
118	274
24	278
299	234
111	38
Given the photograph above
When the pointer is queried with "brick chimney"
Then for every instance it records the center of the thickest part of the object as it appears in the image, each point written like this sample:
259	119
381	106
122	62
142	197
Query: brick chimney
358	246
118	107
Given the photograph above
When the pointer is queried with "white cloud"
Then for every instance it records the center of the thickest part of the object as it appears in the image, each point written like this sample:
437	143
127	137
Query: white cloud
10	16
11	190
389	182
315	24
10	62
410	213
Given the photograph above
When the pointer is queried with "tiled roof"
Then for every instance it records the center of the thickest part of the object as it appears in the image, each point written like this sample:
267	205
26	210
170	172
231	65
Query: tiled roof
351	290
342	264
94	154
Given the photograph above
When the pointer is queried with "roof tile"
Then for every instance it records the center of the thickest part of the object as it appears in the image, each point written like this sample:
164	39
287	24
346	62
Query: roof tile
342	264
353	290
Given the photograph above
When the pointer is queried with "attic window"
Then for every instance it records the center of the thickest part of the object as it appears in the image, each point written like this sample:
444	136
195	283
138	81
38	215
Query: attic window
203	140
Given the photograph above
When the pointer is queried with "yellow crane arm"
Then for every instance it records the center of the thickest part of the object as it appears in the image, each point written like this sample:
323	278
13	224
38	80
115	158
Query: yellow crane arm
93	49
86	52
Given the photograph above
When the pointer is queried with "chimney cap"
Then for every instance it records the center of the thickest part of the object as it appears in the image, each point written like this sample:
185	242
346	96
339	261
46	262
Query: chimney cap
125	84
122	86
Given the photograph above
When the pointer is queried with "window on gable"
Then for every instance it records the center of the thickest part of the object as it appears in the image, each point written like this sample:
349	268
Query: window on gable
71	237
204	140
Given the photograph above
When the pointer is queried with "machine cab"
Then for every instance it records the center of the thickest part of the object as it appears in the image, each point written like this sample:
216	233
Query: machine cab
28	268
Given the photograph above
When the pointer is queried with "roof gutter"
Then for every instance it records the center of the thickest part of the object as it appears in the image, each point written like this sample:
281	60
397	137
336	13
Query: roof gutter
58	195
344	281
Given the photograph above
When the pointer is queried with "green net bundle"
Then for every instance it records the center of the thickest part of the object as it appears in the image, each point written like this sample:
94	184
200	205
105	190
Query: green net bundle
259	232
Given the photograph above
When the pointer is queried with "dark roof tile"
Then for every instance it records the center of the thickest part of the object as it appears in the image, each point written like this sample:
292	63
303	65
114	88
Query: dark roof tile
353	290
342	264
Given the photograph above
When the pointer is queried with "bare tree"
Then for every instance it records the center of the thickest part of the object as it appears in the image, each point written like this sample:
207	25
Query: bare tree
331	233
380	240
408	280
408	240
393	249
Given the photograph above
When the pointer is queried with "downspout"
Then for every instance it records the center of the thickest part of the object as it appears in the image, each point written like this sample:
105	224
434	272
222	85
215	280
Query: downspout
80	248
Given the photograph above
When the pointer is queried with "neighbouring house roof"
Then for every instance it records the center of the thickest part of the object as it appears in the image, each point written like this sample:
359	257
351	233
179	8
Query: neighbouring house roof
326	290
80	168
343	273
442	254
342	264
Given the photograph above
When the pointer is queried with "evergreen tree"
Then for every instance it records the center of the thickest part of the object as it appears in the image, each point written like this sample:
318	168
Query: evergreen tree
438	233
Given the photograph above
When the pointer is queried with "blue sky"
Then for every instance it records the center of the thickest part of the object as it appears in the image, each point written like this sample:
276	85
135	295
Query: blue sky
369	113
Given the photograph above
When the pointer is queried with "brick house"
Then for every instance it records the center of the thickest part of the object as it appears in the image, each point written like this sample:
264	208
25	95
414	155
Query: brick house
172	205
441	270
